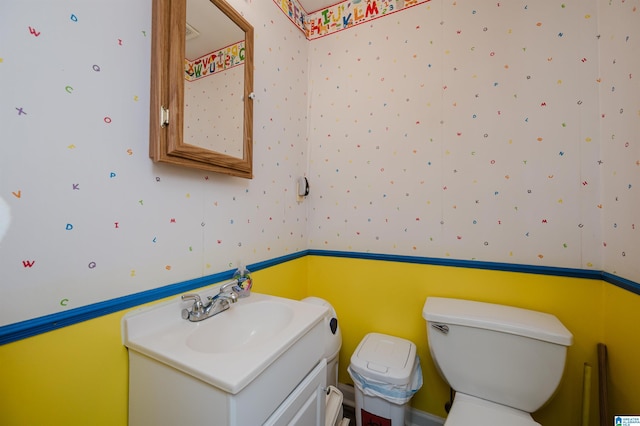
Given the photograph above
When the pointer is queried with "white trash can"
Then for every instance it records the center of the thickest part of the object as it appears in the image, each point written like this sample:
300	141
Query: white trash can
386	374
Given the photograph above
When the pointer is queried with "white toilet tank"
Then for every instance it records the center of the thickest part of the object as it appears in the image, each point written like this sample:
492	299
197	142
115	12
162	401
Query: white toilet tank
502	354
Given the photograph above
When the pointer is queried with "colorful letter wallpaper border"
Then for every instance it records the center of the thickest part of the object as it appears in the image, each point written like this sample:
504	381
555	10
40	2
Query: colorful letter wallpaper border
214	62
340	16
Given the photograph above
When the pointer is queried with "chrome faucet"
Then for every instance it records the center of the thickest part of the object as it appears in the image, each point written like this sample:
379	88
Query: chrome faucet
216	304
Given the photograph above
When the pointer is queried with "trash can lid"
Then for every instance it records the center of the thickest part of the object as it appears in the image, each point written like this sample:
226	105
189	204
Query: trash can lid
387	359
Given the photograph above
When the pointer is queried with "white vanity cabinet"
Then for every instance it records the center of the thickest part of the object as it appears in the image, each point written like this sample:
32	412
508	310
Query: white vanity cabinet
307	403
288	392
261	361
160	395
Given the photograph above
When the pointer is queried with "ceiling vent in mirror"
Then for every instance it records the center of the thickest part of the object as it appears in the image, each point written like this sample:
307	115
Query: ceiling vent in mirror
191	32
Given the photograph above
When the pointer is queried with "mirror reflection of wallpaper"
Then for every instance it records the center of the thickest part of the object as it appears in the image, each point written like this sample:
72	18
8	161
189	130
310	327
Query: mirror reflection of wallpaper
214	111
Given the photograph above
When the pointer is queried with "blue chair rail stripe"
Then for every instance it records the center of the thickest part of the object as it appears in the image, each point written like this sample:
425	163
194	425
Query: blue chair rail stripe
21	330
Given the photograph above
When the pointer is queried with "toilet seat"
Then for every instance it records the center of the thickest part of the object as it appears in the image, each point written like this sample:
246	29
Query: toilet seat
469	410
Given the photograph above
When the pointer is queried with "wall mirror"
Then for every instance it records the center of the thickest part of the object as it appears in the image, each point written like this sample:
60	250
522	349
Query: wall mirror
202	86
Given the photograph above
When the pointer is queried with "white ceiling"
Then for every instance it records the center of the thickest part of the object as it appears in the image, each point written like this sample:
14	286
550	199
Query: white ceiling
315	5
218	31
215	28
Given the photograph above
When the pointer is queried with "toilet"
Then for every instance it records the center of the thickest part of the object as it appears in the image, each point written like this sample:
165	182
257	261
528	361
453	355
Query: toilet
503	362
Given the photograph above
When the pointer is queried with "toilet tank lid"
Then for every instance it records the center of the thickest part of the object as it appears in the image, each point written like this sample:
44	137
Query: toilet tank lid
501	318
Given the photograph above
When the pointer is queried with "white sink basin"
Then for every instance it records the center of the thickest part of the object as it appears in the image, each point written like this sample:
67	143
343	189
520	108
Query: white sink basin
242	327
228	350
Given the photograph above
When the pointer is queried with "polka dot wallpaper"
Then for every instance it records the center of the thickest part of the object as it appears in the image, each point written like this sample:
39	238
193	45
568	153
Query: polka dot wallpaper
93	218
501	131
473	131
619	118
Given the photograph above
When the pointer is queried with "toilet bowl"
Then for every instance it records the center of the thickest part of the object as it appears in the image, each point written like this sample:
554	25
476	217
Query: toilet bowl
469	410
503	362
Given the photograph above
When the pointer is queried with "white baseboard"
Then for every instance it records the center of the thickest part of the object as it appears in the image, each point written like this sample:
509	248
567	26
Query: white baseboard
348	394
418	418
421	418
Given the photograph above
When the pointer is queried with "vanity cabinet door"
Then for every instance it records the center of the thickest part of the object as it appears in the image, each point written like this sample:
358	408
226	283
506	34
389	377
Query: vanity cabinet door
305	406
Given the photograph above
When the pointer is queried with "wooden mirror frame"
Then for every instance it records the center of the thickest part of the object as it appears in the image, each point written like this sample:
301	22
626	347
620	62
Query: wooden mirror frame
167	93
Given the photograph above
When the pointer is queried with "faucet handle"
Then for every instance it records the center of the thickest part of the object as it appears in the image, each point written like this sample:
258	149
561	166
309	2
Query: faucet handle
197	302
197	307
192	296
227	287
225	292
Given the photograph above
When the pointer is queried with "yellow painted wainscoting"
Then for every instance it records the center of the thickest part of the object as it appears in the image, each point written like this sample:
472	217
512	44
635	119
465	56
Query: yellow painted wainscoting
622	336
77	375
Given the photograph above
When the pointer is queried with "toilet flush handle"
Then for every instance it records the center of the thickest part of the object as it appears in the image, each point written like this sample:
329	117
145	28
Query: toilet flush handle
442	328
